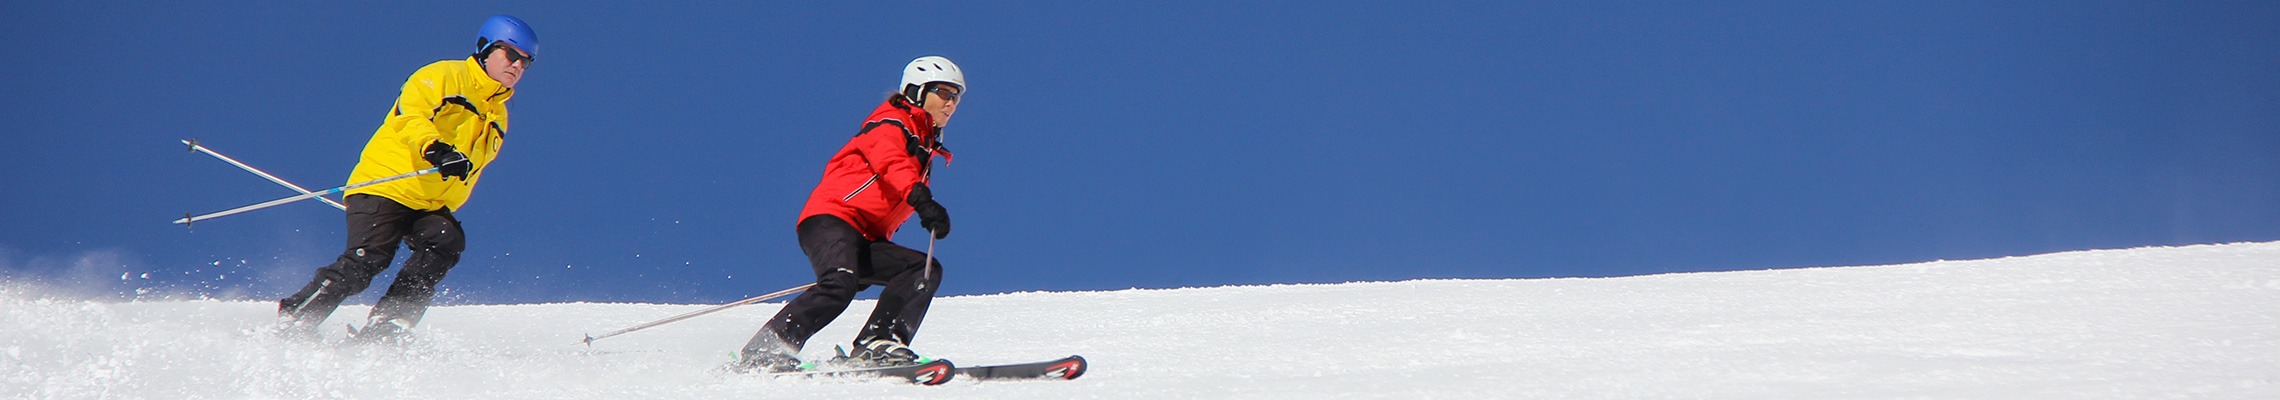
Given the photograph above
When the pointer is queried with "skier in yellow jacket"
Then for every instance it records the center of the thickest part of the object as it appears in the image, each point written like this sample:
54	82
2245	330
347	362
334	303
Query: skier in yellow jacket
451	115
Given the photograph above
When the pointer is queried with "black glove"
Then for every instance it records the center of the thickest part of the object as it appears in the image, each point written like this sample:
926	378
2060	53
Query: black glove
449	159
930	214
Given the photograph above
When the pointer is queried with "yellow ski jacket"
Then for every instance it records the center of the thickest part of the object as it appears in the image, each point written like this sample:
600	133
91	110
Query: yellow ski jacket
451	101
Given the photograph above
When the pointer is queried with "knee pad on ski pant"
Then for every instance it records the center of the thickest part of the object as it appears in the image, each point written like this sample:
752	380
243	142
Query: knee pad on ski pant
835	288
436	241
437	233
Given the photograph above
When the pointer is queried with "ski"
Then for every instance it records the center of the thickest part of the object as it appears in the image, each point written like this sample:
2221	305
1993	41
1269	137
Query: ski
930	373
366	336
1063	369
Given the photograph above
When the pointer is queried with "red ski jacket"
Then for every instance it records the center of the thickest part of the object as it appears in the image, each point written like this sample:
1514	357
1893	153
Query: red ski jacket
868	181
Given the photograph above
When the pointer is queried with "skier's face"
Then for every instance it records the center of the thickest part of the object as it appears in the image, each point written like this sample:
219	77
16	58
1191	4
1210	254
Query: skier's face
506	64
941	101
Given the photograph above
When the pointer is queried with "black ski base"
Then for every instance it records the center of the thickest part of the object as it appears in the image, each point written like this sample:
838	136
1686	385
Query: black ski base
1063	369
930	373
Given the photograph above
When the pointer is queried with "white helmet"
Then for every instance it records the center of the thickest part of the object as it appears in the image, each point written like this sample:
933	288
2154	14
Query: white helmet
930	69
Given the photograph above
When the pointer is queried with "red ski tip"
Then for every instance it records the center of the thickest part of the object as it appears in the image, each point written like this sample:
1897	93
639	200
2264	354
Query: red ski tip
934	374
1070	369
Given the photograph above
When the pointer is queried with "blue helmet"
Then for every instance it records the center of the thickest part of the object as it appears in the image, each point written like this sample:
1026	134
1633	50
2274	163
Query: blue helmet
507	28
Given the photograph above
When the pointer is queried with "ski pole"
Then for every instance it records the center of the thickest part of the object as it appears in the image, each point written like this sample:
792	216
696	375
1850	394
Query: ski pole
926	270
187	219
755	299
195	147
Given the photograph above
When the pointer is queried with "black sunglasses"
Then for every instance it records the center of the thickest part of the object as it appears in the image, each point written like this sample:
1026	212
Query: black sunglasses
514	55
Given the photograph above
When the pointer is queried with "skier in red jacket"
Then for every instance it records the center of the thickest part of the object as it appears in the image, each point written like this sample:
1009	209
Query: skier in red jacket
869	188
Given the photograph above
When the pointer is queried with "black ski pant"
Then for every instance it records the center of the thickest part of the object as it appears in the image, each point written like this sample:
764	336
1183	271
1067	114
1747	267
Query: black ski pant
845	264
375	225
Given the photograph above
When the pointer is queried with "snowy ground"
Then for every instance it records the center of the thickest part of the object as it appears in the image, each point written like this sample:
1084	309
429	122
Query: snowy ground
2192	322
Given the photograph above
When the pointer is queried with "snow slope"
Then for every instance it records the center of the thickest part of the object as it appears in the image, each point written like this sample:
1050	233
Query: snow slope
2195	322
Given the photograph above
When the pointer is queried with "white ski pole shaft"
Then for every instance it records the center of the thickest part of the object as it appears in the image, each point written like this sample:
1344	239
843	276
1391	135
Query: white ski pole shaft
194	146
304	196
926	270
755	299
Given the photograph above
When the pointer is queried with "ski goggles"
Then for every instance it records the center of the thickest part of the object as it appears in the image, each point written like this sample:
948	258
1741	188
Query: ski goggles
947	92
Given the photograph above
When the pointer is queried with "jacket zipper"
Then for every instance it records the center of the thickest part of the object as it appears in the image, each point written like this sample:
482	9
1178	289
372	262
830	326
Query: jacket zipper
859	189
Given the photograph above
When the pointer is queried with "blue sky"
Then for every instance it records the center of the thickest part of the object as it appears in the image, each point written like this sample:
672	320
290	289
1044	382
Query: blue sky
660	152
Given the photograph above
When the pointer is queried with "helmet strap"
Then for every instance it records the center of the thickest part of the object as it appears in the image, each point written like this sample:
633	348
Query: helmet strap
916	94
482	53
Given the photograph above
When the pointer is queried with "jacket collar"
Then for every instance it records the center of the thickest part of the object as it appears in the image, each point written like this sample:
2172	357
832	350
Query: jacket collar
921	123
915	121
482	83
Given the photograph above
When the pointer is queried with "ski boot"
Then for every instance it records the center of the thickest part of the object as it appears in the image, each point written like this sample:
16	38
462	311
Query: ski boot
382	330
767	362
295	330
882	352
292	326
